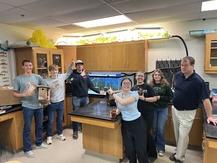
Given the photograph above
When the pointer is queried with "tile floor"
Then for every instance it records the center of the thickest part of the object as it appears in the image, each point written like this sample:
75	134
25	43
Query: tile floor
71	151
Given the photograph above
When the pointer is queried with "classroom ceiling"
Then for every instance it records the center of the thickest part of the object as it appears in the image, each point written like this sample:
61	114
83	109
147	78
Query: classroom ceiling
58	16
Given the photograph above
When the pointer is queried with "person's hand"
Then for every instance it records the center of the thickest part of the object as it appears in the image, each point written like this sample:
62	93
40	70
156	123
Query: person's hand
211	119
110	91
102	92
48	98
73	62
28	92
83	73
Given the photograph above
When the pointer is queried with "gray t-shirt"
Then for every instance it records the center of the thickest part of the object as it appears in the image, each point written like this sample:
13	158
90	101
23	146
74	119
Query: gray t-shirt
22	83
57	86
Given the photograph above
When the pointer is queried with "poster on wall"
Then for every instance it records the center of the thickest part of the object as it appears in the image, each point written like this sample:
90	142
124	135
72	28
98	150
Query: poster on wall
4	67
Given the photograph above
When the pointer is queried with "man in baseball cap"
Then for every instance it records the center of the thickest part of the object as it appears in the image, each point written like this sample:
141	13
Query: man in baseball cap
79	62
80	83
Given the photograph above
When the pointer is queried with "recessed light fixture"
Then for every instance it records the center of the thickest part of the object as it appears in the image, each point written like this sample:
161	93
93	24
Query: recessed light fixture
209	5
104	21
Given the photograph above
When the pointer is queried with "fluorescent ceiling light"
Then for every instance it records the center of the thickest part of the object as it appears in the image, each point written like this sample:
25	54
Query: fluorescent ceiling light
103	22
209	5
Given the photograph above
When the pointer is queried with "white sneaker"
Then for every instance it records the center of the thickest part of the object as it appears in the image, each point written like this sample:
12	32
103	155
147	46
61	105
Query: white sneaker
161	153
42	146
49	140
61	137
30	154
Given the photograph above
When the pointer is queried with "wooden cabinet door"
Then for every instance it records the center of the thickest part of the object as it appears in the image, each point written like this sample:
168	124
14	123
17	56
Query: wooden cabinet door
210	150
41	62
196	133
211	54
69	55
118	57
23	54
135	56
56	57
68	109
19	124
19	129
100	58
84	53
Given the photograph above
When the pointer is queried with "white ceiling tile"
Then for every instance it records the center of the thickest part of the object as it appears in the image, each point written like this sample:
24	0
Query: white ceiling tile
56	7
58	15
14	15
4	7
18	2
88	14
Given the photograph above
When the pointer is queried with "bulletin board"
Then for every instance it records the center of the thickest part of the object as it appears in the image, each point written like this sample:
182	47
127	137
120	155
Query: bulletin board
4	69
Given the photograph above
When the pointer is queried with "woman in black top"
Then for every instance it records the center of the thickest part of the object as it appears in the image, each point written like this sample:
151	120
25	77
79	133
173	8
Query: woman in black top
146	107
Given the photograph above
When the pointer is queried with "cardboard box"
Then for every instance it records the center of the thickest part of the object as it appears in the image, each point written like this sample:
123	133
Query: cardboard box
7	98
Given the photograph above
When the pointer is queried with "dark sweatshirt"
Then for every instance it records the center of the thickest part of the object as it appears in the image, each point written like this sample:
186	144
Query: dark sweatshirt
80	85
165	94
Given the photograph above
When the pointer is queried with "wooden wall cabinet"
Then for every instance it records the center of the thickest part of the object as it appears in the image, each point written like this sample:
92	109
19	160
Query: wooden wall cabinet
95	57
70	53
196	133
211	54
41	59
121	56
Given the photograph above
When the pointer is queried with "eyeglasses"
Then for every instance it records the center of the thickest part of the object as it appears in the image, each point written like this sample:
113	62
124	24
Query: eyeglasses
126	83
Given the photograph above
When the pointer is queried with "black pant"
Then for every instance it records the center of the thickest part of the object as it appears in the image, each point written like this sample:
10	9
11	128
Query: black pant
135	140
149	117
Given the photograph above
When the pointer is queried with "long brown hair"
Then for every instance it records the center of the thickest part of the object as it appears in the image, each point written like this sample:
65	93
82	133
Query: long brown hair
163	80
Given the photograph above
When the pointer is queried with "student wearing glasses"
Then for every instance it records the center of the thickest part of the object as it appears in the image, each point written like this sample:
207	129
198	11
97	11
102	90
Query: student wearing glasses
133	125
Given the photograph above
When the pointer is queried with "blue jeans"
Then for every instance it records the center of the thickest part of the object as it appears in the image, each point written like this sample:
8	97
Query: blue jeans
160	118
78	102
28	115
59	109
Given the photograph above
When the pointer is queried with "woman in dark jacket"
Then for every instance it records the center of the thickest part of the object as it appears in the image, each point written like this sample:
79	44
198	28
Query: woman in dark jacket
164	95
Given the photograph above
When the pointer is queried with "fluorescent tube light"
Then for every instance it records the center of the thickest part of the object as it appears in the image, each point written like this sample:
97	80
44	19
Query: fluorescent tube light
209	5
104	21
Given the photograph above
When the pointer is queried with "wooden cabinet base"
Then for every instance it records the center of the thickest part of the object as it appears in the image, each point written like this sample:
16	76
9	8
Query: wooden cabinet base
101	136
103	140
210	150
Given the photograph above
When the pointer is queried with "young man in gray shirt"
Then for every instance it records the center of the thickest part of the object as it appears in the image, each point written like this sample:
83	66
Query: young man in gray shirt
25	87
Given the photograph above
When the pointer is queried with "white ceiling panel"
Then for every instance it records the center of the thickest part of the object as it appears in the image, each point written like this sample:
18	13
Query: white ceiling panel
179	10
143	5
4	7
56	7
15	15
58	15
88	14
18	2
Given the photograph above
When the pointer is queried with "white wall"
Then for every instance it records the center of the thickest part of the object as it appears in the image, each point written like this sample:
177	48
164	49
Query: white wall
12	33
174	49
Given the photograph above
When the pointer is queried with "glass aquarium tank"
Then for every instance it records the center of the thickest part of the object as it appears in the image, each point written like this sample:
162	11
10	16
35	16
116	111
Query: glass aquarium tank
105	80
